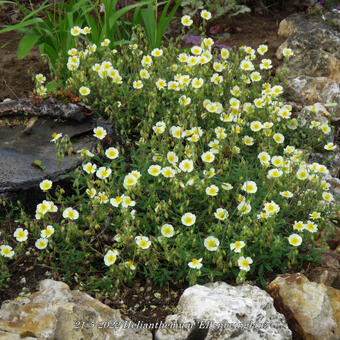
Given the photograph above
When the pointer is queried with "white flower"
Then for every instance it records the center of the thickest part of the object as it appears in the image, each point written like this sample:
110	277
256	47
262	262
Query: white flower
237	246
116	201
271	208
55	136
129	181
286	194
21	234
99	132
196	50
287	52
86	30
197	83
105	42
146	61
188	219
211	243
127	201
6	251
144	74
84	91
40	78
103	172
244	263
212	190
45	185
221	214
156	52
70	213
249	141
195	264
154	170
176	132
262	49
110	257
256	126
225	53
168	172
159	127
295	240
130	264
278	138
298	225
137	84
250	187
112	153
186	20
167	230
327	196
47	232
264	157
244	208
205	15
247	65
76	30
277	161
274	173
302	174
311	227
89	168
172	157
208	157
41	243
186	165
266	64
143	242
329	146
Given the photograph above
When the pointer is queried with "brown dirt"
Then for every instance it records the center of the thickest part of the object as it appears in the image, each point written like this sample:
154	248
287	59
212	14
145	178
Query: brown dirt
16	75
254	29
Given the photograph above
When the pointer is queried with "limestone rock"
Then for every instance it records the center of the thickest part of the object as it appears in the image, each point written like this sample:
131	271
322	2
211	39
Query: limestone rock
221	311
55	312
316	47
313	73
311	309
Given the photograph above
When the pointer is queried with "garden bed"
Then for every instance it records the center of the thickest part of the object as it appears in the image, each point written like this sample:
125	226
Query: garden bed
136	226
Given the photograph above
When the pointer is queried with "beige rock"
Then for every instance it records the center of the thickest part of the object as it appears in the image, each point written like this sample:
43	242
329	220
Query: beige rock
55	312
313	73
312	310
286	28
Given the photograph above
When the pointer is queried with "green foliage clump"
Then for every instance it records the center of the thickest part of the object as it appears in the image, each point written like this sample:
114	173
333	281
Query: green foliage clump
216	183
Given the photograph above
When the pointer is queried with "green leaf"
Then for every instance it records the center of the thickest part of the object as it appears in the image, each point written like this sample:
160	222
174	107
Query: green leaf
26	44
38	164
149	23
21	25
53	86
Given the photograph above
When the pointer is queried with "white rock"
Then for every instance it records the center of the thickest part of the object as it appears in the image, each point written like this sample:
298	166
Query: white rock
221	311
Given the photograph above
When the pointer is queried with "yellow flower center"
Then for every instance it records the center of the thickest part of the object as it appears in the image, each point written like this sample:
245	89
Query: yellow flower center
245	263
238	244
211	243
143	243
188	220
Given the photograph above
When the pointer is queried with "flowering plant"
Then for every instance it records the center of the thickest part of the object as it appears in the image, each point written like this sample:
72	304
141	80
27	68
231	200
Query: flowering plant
216	185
